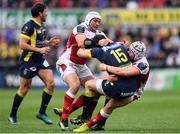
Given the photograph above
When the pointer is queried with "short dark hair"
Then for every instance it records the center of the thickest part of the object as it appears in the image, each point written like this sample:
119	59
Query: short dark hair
39	7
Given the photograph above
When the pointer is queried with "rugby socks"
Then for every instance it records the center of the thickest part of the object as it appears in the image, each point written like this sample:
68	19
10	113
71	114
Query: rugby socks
79	102
98	118
46	97
103	121
88	101
68	99
16	103
94	104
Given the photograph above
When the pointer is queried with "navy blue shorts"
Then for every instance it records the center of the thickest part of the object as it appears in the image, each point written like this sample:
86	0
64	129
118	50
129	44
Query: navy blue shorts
30	69
123	87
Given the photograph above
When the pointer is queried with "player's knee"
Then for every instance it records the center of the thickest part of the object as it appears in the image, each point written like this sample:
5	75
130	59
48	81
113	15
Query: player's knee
49	90
22	91
88	85
23	88
89	93
50	86
75	85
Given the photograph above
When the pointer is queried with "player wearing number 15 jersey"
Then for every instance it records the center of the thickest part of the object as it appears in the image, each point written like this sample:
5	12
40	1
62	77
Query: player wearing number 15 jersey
139	70
115	54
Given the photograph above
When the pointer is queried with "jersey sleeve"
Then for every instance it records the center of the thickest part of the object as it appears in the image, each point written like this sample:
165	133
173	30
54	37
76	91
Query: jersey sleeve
79	29
143	67
27	30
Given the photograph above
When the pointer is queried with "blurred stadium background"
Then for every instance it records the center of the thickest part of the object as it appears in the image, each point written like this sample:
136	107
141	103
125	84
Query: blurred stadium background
155	22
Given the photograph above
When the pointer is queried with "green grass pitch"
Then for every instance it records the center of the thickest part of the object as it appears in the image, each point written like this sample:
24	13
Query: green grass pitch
155	112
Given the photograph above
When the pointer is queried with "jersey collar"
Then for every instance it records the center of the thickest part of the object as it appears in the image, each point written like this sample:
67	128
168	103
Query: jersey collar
36	22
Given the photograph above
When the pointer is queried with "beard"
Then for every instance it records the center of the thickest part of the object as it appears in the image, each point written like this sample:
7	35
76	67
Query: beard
43	19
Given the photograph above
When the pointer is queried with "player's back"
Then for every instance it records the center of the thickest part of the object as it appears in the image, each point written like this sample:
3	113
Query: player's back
115	54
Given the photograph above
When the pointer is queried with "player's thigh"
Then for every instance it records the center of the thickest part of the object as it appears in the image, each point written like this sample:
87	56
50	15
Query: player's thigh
46	75
73	82
24	85
65	69
121	102
84	74
91	85
115	103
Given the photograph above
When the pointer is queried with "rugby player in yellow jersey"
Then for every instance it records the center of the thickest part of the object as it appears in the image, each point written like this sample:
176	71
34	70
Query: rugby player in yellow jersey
32	63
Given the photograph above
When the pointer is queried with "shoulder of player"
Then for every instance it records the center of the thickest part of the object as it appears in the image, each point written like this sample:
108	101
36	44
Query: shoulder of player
27	29
28	23
141	64
80	28
82	25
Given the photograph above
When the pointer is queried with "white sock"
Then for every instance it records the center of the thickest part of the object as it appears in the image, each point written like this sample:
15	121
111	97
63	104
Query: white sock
70	94
103	114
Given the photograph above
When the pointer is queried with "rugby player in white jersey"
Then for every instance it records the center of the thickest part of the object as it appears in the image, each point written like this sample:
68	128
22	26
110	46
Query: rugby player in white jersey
72	68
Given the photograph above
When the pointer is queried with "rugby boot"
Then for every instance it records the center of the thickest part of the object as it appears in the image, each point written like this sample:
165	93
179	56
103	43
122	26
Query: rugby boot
64	125
82	128
78	120
44	118
58	111
13	120
97	127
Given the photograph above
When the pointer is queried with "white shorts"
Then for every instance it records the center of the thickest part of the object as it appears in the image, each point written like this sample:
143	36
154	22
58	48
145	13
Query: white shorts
99	86
65	67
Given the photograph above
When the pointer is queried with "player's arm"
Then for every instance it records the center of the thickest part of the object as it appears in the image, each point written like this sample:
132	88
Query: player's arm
130	71
54	41
80	38
23	44
104	40
84	42
84	53
95	52
79	32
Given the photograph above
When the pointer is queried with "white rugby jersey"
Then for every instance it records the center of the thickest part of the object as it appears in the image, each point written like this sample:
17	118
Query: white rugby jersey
70	51
143	67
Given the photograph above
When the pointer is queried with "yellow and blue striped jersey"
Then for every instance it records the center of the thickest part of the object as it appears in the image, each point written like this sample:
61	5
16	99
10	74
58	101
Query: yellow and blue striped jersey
36	34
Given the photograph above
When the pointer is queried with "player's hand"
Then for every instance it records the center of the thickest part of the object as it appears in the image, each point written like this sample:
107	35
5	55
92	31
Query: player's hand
103	42
112	77
44	50
54	41
102	67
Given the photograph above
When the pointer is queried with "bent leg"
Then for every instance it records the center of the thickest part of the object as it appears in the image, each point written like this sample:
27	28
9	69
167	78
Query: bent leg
73	82
115	103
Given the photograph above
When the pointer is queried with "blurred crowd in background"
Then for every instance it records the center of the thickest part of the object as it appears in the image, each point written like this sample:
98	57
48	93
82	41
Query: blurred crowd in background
163	41
21	4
